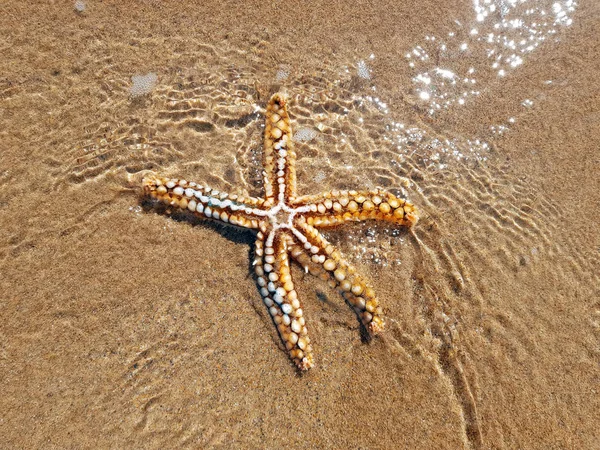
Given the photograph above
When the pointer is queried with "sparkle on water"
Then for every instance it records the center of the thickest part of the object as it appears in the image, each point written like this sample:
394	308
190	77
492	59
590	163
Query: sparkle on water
499	37
410	141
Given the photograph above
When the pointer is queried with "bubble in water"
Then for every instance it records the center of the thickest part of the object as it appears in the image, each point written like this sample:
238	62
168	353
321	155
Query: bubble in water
143	84
363	70
305	134
282	73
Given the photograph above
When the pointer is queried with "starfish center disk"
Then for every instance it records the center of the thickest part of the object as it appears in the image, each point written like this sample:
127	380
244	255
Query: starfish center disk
281	216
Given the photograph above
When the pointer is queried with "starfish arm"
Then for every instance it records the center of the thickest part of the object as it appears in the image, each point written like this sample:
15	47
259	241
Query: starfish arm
335	207
316	254
272	268
279	154
205	202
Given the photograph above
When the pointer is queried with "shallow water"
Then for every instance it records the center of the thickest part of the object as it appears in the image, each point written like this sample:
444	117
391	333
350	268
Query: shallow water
125	328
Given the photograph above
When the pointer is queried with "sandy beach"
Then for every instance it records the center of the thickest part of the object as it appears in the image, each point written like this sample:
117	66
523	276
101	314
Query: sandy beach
123	327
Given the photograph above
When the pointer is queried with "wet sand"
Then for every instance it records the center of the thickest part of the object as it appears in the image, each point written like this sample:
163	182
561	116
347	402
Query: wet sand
124	328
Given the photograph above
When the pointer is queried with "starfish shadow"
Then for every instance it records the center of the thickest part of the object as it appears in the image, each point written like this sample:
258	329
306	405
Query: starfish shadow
235	234
365	337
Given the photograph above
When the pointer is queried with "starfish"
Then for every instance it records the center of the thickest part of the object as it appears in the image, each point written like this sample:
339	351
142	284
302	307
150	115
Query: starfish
287	225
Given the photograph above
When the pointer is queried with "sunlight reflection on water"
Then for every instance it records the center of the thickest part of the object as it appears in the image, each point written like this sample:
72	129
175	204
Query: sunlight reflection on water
497	40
